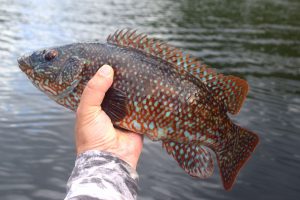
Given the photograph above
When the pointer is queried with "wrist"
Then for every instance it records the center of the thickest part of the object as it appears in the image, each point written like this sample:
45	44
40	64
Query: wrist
116	148
123	151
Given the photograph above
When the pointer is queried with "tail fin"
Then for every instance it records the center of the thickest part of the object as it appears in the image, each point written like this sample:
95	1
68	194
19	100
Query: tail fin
237	147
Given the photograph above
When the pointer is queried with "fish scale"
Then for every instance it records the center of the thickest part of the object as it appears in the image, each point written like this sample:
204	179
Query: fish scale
159	91
162	94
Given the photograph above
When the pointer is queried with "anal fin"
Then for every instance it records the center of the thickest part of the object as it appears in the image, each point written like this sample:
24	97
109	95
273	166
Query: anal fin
196	160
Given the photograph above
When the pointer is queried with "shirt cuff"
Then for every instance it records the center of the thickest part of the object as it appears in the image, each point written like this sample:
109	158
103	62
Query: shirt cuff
101	175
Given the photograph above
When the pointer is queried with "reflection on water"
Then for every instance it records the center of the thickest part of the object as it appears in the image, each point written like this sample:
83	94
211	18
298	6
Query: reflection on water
256	40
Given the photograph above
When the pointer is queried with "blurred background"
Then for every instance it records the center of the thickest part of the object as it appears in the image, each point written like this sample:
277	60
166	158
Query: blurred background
258	40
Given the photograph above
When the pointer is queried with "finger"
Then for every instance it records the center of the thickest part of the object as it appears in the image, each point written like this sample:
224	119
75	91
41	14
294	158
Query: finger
94	91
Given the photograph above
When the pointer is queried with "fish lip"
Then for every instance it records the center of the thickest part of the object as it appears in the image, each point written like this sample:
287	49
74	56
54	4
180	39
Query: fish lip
24	63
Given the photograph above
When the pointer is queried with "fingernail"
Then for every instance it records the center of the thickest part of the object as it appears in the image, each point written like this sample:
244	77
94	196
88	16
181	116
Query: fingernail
105	70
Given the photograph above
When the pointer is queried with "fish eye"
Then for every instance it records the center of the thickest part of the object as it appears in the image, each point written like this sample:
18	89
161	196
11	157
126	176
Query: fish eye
50	55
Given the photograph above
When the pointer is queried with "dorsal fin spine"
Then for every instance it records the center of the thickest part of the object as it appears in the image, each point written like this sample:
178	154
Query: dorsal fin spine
133	33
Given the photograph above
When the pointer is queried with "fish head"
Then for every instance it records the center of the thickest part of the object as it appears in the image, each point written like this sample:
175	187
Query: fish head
55	71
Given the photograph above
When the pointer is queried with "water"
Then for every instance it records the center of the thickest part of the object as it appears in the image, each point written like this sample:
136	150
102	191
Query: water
258	40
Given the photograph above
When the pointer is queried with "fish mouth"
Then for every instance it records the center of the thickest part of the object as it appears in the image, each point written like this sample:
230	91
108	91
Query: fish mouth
24	64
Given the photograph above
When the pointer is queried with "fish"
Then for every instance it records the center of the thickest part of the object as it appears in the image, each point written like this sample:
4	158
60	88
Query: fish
158	91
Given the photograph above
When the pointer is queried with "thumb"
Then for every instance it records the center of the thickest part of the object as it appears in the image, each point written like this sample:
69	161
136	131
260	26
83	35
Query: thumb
94	91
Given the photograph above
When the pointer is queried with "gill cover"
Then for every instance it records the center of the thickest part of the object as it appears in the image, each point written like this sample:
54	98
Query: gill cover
71	70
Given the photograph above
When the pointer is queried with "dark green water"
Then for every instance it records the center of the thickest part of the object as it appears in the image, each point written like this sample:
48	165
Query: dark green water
258	40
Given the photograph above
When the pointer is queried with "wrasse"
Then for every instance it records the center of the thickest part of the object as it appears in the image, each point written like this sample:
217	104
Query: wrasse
158	91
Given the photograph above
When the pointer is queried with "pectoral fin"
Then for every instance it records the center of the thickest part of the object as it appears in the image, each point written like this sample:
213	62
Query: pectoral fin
115	104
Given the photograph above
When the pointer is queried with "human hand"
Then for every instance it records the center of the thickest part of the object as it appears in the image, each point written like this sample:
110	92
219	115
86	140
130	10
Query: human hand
94	129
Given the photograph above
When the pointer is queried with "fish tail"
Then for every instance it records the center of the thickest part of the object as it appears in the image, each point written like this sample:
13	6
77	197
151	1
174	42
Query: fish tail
237	146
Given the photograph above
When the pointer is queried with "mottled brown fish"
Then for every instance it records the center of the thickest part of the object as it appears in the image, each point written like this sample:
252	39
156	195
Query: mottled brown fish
158	91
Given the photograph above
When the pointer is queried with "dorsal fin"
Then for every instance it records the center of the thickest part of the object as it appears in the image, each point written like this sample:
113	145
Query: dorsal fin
229	90
129	38
178	59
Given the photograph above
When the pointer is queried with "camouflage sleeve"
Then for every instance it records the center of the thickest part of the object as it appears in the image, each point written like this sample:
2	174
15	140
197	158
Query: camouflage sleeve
101	175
